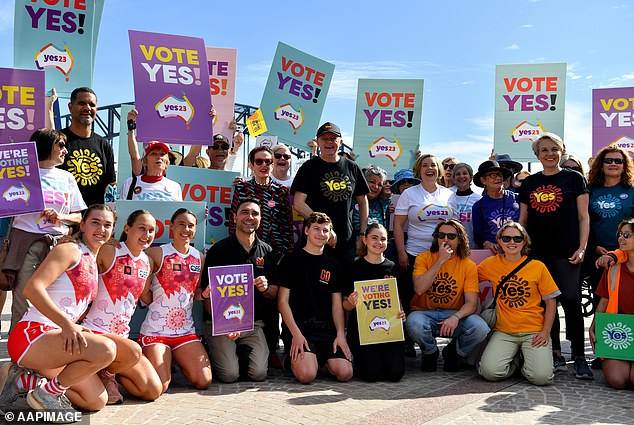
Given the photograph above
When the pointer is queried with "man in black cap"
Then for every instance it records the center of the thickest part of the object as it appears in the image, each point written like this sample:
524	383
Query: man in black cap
329	183
218	153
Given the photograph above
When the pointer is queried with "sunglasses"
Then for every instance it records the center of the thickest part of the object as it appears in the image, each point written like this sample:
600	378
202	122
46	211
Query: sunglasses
618	161
448	166
494	175
260	161
625	235
223	146
516	239
61	145
442	235
282	155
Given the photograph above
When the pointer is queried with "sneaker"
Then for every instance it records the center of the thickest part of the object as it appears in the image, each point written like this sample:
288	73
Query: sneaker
451	359
9	391
559	364
429	362
39	399
582	371
112	388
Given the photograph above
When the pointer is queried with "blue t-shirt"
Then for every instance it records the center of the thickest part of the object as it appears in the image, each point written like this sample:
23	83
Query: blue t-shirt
489	215
608	206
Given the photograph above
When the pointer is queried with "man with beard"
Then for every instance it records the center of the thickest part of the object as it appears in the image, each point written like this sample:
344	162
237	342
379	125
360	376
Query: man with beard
90	158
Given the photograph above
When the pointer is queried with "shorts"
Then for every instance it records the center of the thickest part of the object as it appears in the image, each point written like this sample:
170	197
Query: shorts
23	336
173	342
323	351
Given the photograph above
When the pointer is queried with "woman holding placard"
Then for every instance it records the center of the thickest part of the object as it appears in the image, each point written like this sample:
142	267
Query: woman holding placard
617	296
374	362
522	323
33	234
168	329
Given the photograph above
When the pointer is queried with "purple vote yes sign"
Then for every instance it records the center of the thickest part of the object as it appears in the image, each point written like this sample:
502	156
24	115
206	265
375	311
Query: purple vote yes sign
231	298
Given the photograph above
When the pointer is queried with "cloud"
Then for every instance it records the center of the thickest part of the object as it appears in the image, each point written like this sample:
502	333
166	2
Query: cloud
512	47
527	26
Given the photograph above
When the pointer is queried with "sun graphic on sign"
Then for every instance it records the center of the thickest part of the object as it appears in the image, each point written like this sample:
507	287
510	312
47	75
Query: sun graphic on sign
617	336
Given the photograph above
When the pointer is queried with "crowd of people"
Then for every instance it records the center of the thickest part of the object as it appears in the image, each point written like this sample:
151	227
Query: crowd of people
76	287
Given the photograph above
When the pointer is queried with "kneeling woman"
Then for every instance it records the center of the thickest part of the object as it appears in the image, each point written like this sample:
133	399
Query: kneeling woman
522	323
48	340
168	329
377	361
123	275
617	296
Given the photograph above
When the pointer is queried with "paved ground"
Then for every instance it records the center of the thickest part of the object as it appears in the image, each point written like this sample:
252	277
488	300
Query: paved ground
431	398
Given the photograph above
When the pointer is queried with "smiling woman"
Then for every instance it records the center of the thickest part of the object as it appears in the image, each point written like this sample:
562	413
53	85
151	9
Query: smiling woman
63	203
555	202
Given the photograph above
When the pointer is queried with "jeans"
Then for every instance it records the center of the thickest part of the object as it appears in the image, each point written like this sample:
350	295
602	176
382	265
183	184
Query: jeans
424	326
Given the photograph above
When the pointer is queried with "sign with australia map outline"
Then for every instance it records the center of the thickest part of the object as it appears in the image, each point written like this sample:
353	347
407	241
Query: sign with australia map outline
387	122
529	100
377	311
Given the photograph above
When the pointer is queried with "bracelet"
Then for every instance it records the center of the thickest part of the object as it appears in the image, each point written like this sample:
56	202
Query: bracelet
457	315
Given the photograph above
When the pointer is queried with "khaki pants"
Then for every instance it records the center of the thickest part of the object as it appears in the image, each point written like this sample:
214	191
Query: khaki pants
497	360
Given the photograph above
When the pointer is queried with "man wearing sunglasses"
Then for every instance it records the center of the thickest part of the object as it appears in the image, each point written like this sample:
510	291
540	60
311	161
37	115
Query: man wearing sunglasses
329	183
220	153
446	297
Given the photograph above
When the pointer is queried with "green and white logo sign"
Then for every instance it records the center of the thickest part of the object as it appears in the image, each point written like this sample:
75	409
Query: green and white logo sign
615	338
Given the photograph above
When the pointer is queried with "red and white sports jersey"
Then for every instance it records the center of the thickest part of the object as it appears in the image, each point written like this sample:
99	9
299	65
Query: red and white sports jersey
72	291
173	286
119	290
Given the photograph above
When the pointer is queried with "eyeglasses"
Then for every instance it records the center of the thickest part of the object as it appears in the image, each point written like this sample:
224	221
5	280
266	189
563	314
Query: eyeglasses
223	146
516	239
282	155
61	145
448	166
625	235
442	235
260	161
494	175
618	161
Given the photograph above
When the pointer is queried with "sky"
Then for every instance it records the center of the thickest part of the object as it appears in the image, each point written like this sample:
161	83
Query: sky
453	45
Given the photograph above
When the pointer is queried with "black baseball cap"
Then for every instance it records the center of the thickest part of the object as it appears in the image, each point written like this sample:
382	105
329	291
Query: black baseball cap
220	138
328	128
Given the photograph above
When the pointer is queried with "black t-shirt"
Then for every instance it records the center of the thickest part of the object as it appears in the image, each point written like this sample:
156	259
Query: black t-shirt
553	221
228	252
312	279
363	270
91	162
330	187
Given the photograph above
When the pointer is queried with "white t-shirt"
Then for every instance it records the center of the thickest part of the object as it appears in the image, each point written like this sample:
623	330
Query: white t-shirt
162	190
465	204
424	210
288	182
61	193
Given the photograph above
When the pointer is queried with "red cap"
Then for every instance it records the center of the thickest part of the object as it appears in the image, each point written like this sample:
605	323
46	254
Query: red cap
155	144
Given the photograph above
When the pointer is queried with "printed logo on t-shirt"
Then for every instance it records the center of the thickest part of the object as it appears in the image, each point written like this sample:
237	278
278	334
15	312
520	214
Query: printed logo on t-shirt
194	268
143	274
324	276
336	186
85	166
515	292
433	212
546	198
606	206
443	290
497	219
127	270
464	213
176	267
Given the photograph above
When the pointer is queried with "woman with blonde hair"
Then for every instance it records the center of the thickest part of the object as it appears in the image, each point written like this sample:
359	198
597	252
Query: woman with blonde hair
523	324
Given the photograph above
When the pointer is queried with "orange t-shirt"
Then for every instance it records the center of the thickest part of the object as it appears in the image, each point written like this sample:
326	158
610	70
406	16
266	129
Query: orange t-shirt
518	302
455	277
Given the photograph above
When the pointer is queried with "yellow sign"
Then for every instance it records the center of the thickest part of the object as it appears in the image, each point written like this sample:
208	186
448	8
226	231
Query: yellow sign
256	123
377	311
